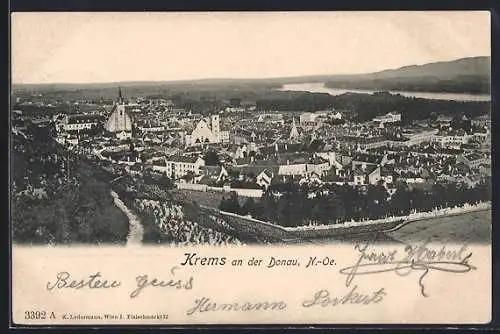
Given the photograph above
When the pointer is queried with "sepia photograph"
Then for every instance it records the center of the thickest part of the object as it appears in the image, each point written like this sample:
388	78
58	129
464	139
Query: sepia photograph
245	128
222	168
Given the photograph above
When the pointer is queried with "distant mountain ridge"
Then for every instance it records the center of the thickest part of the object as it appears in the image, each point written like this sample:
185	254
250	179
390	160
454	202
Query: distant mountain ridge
465	75
471	66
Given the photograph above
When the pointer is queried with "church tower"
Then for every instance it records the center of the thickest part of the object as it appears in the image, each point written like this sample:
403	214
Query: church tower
294	133
252	147
119	121
120	97
215	126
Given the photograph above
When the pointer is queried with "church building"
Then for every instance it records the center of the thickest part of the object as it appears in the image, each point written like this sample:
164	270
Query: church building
294	132
120	122
207	131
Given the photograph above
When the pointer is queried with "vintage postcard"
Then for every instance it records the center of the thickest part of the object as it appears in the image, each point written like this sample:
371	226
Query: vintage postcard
250	168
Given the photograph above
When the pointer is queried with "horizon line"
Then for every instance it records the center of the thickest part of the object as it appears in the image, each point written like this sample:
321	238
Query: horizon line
242	79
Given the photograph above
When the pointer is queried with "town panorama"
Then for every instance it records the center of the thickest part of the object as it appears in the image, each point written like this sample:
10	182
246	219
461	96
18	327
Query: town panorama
249	162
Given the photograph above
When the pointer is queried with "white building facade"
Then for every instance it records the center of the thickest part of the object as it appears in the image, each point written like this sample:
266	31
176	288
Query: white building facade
392	117
207	131
79	122
177	167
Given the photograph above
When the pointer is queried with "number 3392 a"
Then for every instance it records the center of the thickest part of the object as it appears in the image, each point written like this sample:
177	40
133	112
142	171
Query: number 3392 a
35	315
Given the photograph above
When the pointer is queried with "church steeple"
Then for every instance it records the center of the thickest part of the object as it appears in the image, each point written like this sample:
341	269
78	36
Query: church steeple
120	97
294	133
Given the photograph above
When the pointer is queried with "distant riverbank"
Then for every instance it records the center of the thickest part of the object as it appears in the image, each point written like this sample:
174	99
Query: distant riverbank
319	87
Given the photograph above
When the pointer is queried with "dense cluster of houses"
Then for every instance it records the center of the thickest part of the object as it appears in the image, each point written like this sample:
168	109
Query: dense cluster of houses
256	149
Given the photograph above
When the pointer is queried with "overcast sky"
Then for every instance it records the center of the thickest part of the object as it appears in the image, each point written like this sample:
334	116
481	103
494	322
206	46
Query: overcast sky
110	47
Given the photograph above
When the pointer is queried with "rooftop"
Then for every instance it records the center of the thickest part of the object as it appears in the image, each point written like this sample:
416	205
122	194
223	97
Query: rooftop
181	158
74	119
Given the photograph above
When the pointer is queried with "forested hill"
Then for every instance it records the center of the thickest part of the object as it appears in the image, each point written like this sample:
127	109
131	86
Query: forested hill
466	75
473	66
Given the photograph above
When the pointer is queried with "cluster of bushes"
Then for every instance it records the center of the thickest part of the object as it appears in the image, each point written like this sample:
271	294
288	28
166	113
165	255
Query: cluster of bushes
83	213
332	204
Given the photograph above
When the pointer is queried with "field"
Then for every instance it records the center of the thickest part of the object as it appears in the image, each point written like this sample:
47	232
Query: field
474	227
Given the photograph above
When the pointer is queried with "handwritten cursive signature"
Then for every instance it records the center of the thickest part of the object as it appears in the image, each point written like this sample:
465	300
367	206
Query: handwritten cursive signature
415	257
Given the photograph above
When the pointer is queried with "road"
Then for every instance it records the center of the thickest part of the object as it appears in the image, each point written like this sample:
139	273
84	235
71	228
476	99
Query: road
136	230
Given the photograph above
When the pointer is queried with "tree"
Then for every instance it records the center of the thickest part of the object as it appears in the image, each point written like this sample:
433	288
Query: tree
230	204
222	203
189	176
248	207
211	158
401	201
41	134
269	206
295	209
165	182
376	200
148	177
433	116
438	195
349	198
282	211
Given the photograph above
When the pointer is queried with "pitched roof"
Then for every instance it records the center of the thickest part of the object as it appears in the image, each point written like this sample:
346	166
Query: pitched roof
243	161
292	159
371	169
256	169
317	160
358	171
369	158
282	148
267	172
181	158
159	162
74	119
328	147
315	145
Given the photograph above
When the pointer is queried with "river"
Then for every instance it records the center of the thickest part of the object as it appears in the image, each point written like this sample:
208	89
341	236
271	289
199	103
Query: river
319	87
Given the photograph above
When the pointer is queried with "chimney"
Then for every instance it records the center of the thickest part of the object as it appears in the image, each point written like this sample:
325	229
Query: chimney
276	147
